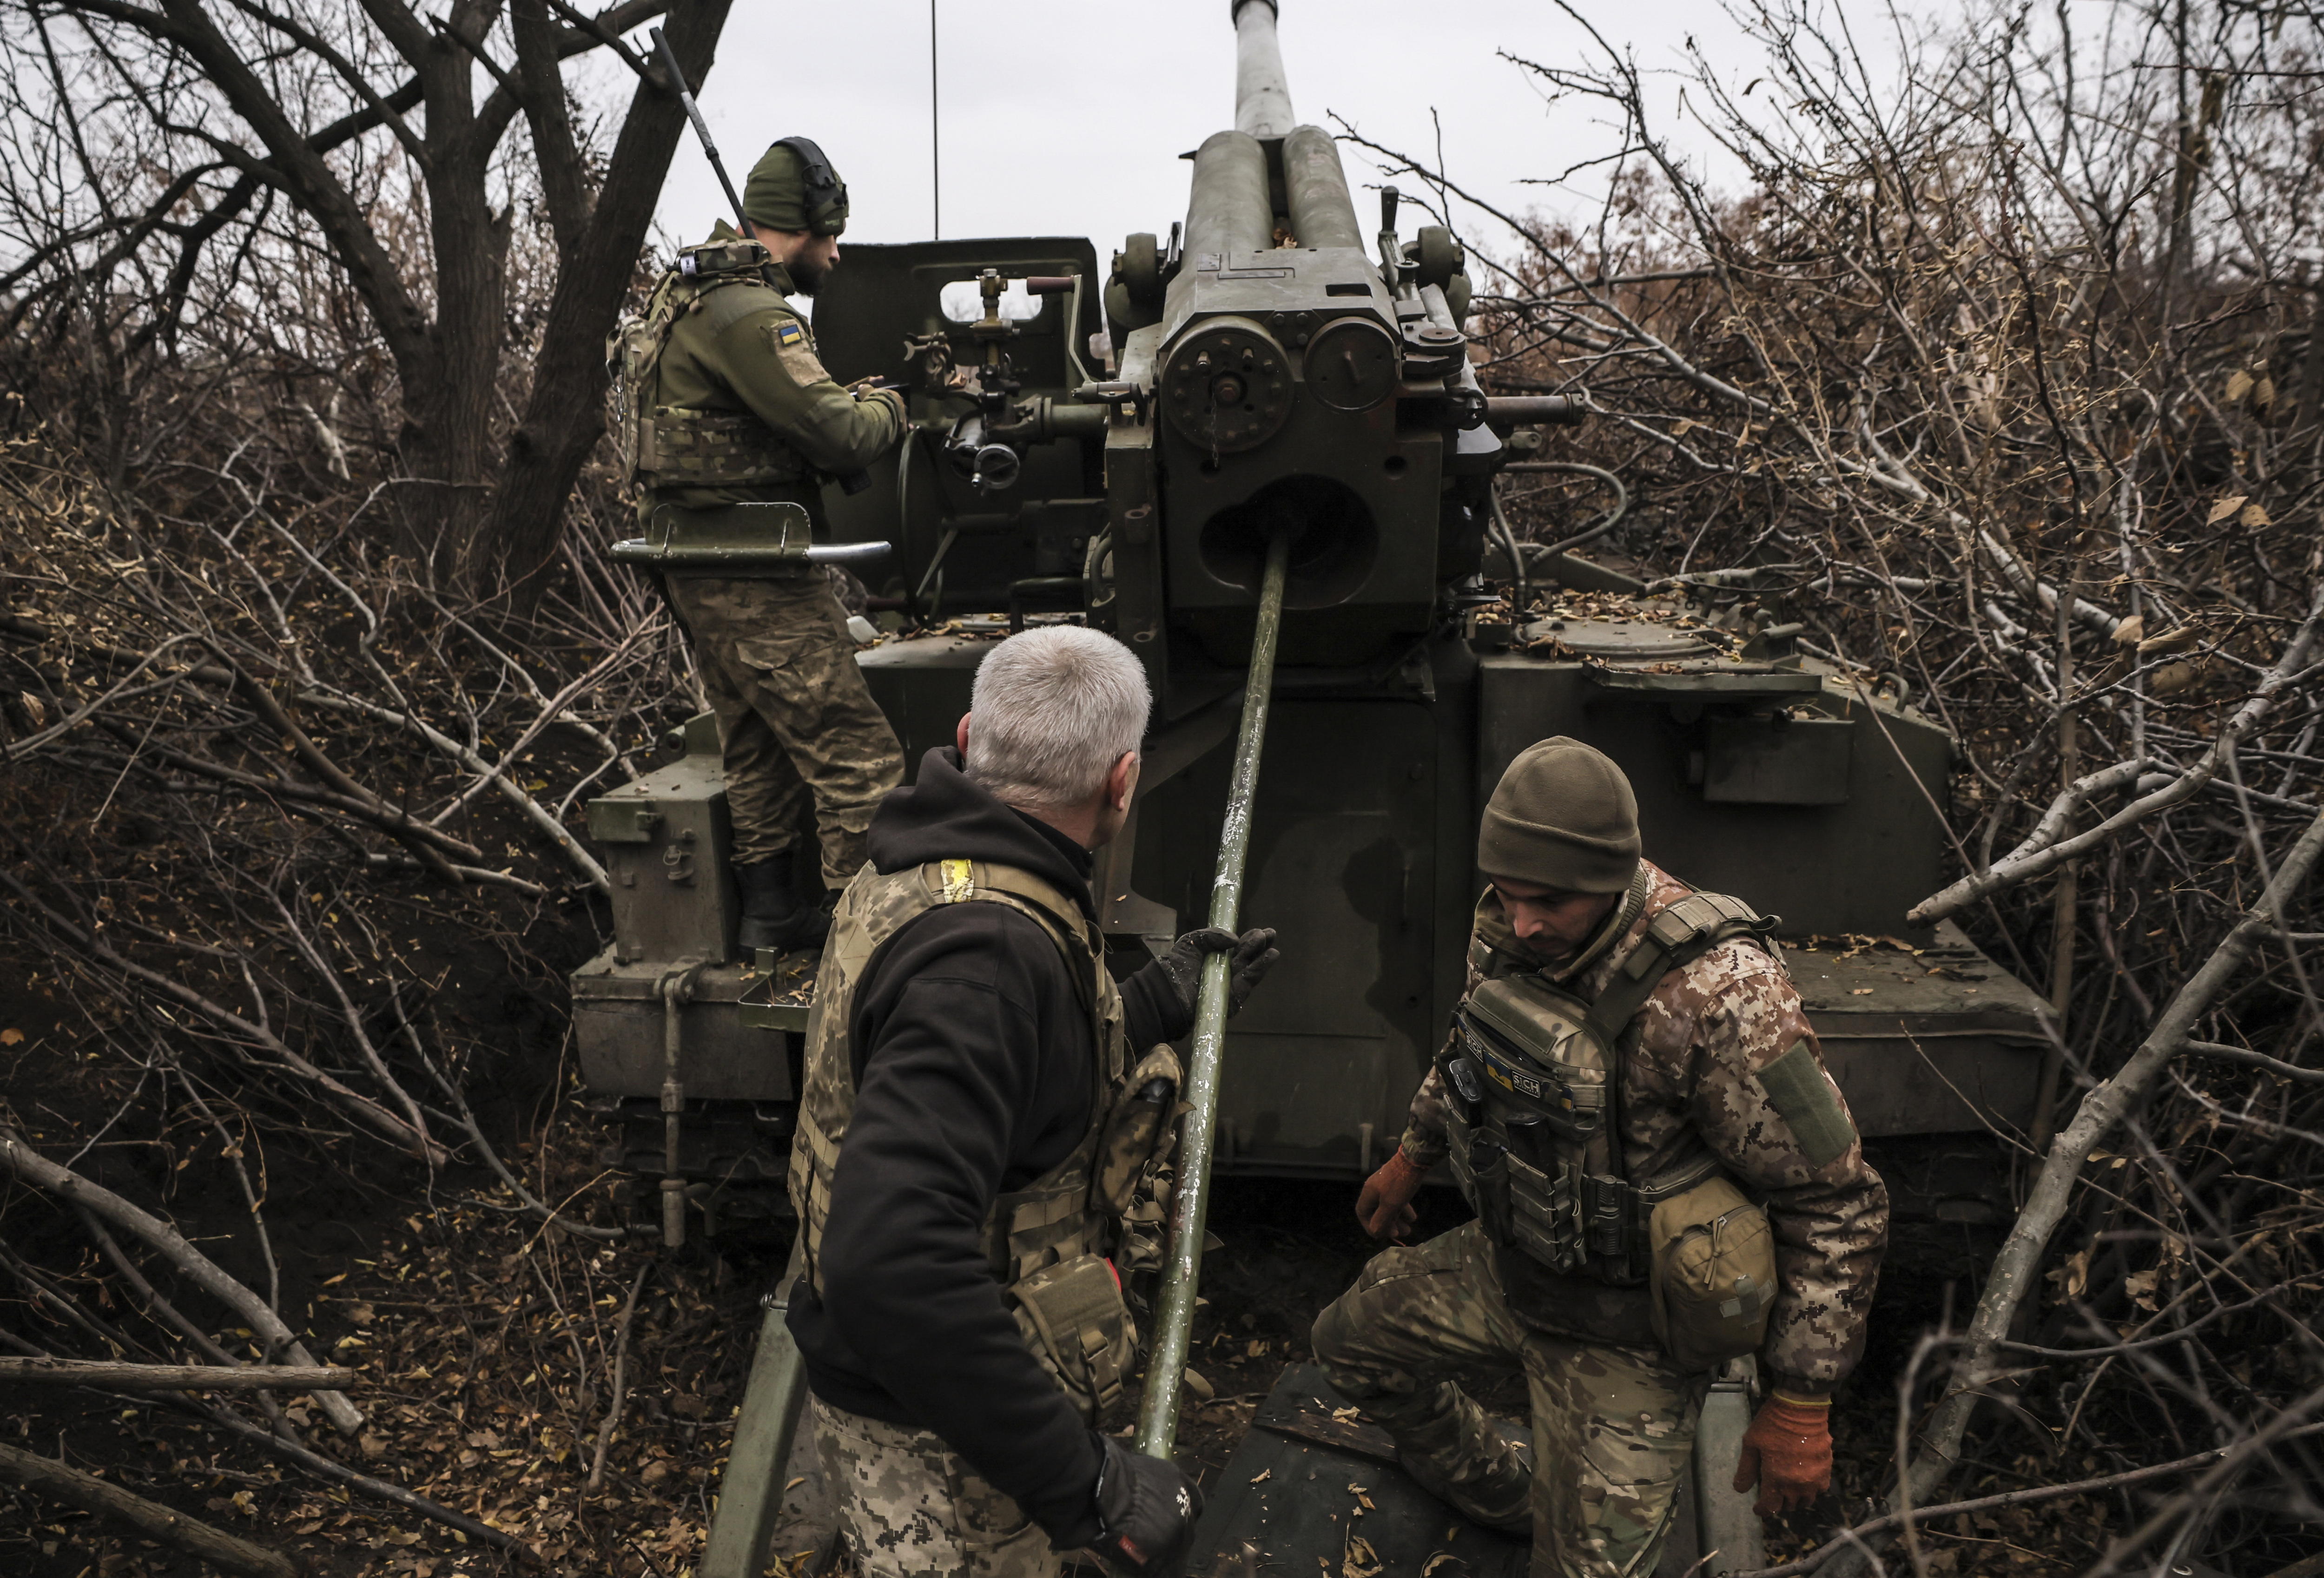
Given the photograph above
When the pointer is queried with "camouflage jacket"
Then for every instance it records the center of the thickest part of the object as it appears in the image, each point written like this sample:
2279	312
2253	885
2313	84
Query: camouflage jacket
1702	1039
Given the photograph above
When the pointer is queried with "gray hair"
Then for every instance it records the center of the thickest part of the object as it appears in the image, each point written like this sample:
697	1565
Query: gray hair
1054	710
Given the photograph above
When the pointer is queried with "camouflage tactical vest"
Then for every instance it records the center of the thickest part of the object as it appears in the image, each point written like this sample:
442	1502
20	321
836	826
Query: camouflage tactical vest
1534	1101
679	446
1048	1242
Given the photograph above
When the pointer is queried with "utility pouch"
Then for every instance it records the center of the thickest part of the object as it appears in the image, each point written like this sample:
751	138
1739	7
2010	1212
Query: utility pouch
729	257
1137	1133
1075	1322
1529	1043
1482	1168
1713	1275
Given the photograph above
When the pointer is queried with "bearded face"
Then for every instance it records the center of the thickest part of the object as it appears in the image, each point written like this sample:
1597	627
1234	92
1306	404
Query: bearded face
812	263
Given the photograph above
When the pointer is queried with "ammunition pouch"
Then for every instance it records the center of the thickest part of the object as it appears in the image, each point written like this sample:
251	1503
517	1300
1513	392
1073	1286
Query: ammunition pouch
681	448
1074	1318
730	541
1542	1195
1532	1111
1139	1135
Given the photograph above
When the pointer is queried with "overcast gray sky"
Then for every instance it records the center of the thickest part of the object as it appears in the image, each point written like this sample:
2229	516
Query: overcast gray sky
1066	117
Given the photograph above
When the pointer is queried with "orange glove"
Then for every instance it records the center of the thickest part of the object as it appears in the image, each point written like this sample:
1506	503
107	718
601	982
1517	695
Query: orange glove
1385	1205
1786	1453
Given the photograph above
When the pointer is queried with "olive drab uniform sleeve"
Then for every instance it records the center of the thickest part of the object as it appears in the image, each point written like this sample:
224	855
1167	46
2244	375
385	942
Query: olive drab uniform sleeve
1716	1044
1724	1052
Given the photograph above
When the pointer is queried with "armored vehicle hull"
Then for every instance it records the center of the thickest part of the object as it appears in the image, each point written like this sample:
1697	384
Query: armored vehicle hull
1779	780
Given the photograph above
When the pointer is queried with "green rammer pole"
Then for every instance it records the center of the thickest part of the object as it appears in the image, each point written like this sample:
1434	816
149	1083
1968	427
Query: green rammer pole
751	1491
1173	1323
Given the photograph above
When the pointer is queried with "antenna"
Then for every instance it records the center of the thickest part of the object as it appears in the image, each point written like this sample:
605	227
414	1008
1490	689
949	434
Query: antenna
935	136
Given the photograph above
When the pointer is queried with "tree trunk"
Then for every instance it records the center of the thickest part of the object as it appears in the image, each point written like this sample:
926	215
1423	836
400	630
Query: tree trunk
449	418
563	416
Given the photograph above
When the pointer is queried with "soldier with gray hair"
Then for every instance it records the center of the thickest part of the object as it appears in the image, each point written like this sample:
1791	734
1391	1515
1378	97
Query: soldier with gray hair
985	1112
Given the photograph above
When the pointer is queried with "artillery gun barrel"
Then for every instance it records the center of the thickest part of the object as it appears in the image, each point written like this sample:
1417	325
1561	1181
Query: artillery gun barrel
1262	93
1323	214
1228	210
1173	1323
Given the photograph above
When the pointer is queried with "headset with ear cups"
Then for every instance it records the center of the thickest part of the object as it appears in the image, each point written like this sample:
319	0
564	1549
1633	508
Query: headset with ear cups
823	196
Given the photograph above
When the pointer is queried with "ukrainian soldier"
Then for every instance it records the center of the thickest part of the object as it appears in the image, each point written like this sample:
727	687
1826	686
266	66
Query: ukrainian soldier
985	1120
1629	1060
721	403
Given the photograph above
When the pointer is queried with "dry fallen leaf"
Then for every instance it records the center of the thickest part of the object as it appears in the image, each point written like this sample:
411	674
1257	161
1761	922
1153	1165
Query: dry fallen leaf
2254	516
2225	507
2172	678
1262	1476
11	1036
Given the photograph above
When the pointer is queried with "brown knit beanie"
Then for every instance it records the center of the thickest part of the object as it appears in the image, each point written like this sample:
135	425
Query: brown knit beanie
1562	816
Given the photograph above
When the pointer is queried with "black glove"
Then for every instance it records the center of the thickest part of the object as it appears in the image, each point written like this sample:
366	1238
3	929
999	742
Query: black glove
1146	1511
1254	954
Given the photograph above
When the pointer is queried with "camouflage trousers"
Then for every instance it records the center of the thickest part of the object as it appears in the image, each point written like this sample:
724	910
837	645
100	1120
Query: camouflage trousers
797	724
911	1509
1613	1426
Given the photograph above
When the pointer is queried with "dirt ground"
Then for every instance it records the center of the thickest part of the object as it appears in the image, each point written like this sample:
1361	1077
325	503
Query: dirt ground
484	1339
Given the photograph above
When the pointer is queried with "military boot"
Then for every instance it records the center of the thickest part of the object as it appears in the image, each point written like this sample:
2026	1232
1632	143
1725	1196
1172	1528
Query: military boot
774	914
1499	1496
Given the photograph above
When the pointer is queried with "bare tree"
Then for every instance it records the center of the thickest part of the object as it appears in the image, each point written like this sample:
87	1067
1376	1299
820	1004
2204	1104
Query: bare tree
183	159
2000	374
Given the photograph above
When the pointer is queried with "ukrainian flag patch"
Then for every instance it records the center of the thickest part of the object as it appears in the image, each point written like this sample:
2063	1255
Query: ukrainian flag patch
790	332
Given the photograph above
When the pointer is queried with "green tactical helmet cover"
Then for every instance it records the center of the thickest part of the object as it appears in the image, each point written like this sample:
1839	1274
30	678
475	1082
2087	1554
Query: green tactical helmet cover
794	187
1563	817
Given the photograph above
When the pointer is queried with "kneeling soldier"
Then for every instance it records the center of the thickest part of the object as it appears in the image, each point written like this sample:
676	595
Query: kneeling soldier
984	1112
1629	1052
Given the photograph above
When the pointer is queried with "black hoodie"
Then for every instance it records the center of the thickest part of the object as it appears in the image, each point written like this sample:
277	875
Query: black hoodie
973	1076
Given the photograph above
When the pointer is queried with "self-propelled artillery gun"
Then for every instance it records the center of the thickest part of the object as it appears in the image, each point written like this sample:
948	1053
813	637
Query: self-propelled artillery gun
1255	448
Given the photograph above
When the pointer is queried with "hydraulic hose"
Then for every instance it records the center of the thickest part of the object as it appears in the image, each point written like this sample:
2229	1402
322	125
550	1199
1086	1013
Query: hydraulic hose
1173	1323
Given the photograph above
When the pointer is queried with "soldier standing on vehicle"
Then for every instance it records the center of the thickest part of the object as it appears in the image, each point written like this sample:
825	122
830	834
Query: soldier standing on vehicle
1613	1259
724	403
984	1112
